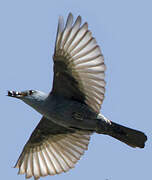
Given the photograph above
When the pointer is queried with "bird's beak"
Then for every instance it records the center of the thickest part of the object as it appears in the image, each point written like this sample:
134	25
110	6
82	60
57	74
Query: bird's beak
16	94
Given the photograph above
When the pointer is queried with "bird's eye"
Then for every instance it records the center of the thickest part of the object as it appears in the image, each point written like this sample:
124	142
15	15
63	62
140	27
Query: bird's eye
31	92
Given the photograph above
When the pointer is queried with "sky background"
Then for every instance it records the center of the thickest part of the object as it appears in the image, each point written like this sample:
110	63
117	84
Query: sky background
123	29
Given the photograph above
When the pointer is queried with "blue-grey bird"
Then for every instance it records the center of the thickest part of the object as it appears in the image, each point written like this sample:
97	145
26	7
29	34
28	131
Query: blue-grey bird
71	111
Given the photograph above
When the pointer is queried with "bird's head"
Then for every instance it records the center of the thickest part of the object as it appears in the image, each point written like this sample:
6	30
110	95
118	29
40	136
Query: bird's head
33	98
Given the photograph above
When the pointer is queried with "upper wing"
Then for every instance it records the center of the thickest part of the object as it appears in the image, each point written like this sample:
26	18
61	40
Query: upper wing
78	64
51	149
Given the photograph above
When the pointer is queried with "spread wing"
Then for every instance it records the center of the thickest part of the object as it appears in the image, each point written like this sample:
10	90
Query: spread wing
51	150
78	64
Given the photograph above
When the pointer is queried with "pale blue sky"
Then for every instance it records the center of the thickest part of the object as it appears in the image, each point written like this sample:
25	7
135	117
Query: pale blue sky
123	29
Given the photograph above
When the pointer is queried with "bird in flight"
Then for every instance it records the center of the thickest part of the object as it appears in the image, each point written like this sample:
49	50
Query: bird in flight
71	111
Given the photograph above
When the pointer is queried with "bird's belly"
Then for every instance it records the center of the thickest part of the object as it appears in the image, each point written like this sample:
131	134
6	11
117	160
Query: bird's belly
72	114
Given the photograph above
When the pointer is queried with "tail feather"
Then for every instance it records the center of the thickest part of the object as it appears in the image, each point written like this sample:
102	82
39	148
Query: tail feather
131	137
127	135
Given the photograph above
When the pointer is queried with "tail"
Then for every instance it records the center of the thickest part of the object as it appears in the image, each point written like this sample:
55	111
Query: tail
124	134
